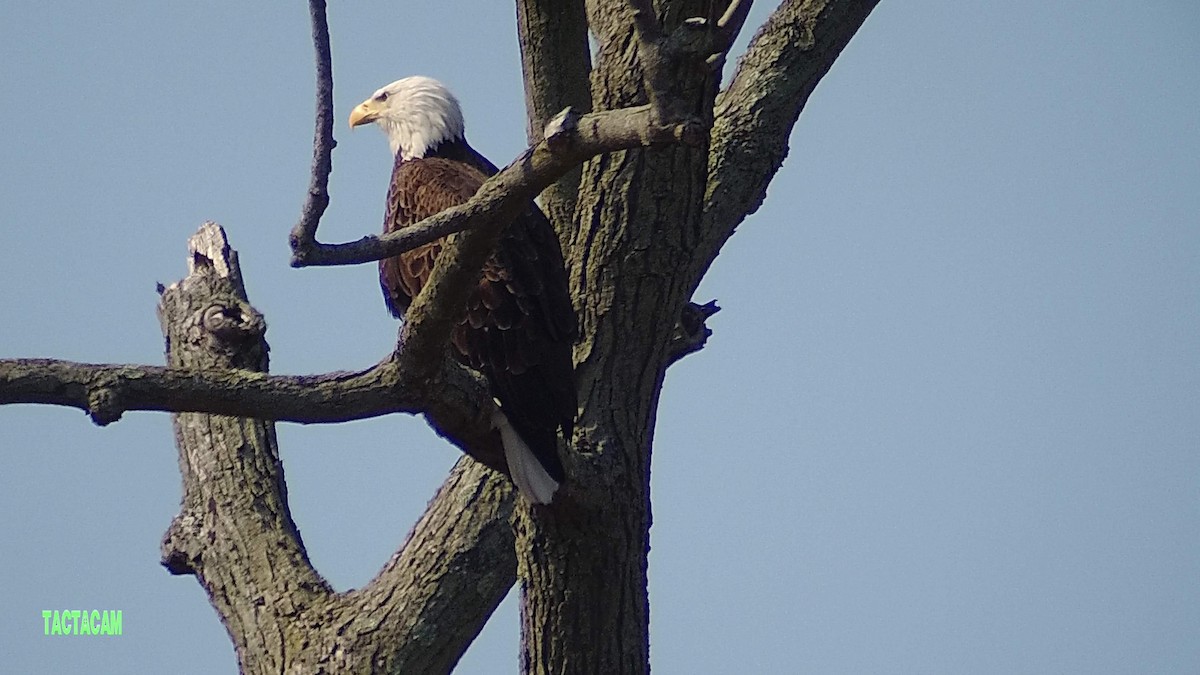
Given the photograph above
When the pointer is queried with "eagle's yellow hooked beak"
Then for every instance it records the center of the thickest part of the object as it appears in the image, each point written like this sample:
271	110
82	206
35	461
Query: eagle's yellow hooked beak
364	113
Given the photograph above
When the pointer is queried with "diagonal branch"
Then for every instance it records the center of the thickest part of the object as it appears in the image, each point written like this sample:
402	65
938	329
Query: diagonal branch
439	589
305	231
754	116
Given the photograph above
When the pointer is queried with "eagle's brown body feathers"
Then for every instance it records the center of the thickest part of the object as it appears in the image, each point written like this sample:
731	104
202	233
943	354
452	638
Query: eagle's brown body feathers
518	325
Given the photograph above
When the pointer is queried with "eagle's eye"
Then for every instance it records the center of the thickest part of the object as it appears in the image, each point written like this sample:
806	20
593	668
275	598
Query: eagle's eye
381	97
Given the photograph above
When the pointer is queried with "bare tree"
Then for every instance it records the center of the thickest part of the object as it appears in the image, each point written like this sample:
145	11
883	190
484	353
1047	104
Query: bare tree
643	193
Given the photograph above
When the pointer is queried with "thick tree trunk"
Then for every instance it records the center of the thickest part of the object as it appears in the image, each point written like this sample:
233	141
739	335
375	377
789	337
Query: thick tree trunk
583	563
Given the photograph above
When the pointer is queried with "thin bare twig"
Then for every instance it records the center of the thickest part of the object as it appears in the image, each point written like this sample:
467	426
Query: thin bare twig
305	231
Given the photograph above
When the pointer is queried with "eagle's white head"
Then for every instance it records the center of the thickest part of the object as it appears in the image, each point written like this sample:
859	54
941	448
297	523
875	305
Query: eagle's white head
416	113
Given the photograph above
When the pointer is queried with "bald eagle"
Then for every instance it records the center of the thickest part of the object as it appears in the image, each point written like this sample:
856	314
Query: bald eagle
518	325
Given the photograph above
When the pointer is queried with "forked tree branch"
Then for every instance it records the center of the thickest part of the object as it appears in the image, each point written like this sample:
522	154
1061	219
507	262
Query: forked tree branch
235	533
755	114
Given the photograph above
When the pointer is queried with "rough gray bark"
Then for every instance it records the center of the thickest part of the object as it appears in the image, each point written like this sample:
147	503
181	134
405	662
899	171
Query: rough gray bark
639	232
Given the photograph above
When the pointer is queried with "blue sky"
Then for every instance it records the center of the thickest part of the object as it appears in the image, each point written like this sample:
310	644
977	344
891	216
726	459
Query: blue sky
949	421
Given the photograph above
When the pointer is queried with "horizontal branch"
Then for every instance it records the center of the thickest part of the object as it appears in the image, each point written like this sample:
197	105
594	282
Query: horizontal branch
106	391
519	182
454	399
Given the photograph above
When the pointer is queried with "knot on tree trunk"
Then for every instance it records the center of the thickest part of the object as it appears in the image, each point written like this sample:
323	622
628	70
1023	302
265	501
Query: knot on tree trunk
230	330
181	549
234	323
104	402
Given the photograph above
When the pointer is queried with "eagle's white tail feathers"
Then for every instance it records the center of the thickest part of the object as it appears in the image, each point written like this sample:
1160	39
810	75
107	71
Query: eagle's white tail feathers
527	472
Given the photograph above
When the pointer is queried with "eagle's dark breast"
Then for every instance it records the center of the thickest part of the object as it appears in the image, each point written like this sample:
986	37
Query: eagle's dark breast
519	324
